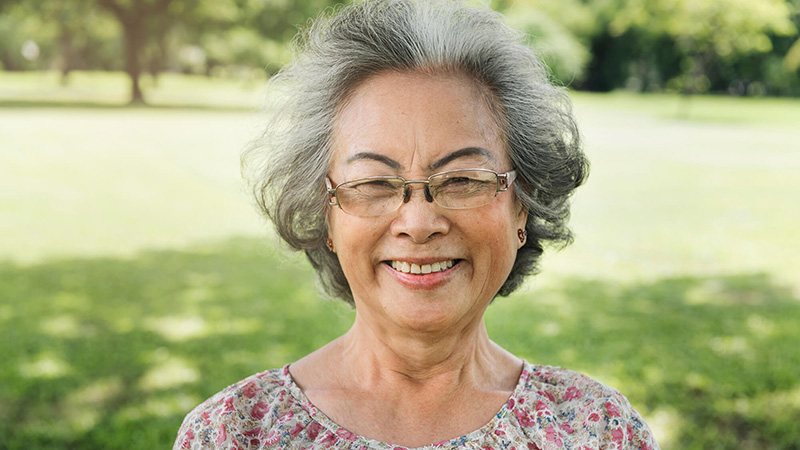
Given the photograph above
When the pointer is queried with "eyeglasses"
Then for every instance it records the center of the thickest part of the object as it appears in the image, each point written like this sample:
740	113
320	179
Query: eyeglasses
454	189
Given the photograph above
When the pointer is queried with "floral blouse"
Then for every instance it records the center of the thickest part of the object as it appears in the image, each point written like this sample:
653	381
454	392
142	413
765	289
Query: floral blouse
551	408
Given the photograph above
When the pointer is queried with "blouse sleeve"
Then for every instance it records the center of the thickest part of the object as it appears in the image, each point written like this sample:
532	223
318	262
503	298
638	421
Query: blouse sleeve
571	410
626	428
234	419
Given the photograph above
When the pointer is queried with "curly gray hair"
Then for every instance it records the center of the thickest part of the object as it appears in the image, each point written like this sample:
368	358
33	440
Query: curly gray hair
287	166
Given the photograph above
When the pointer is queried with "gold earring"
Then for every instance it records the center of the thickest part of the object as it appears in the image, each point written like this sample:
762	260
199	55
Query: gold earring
329	243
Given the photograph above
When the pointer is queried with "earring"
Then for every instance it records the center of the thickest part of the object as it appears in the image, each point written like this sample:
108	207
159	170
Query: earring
329	243
522	234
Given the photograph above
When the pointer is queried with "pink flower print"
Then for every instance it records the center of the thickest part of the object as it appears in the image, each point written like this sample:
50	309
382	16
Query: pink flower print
286	417
499	432
540	405
313	430
229	405
399	448
548	395
205	416
616	436
255	435
646	447
612	409
630	432
296	430
524	419
552	435
346	435
594	417
328	439
259	410
566	427
221	435
187	441
250	390
511	403
572	393
272	438
532	446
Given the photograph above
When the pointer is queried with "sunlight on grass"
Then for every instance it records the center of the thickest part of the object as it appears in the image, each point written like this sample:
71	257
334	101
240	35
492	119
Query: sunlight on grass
86	405
65	326
177	328
168	374
45	365
665	425
104	89
158	406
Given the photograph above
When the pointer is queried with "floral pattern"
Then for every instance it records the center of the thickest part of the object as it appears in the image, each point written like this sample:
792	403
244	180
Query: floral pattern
551	408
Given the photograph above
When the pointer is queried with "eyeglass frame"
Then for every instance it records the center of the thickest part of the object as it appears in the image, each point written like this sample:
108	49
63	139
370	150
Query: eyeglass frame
503	179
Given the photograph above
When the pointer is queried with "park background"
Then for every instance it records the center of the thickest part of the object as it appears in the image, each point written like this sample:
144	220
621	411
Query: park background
136	279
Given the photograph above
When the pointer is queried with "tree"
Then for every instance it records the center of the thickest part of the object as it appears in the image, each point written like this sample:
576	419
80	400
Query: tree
143	21
707	30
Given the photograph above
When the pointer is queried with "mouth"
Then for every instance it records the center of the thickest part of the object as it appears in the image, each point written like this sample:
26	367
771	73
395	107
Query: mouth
422	269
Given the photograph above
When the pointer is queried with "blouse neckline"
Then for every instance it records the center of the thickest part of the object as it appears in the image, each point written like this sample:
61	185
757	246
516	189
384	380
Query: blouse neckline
317	415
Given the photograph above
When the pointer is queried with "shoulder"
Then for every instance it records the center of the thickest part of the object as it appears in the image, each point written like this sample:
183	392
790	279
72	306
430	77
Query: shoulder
239	414
575	411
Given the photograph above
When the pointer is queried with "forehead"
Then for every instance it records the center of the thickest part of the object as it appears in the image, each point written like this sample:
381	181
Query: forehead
409	121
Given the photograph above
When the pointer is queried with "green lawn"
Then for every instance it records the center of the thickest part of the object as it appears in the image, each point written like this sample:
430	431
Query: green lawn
136	280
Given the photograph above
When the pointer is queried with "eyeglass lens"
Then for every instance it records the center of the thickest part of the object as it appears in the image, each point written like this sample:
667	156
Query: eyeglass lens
461	189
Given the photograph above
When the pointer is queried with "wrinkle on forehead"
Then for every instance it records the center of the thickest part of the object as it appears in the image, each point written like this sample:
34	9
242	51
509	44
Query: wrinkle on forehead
485	123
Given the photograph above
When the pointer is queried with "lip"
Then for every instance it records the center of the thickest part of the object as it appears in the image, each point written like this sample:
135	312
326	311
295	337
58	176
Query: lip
422	281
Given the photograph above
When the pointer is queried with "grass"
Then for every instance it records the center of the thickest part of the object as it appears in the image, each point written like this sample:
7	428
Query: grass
136	280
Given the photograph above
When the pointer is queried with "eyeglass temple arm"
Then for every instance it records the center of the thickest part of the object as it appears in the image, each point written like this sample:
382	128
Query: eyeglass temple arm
504	180
332	199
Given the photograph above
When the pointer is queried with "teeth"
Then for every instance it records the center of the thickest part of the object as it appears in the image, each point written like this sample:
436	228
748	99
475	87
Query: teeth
402	266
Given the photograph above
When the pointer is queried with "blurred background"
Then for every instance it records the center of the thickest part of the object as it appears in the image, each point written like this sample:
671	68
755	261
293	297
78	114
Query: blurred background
136	279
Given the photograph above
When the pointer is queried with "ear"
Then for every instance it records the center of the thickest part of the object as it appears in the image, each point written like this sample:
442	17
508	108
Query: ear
521	221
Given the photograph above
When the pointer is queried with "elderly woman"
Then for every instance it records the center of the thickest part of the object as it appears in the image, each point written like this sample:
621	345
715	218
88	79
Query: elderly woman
421	159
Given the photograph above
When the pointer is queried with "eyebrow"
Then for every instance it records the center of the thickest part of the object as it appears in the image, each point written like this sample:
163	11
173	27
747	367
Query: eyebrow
375	157
469	151
441	162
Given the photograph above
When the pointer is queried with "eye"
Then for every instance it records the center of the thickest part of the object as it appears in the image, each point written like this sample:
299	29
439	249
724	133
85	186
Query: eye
456	181
464	184
379	187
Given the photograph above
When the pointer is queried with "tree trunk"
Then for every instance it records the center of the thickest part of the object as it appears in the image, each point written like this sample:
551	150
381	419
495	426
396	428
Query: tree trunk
134	45
65	42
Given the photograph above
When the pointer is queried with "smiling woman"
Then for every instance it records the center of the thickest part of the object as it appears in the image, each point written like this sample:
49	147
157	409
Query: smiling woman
421	162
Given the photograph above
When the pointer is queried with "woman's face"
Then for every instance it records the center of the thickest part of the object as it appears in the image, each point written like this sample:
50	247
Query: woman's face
414	125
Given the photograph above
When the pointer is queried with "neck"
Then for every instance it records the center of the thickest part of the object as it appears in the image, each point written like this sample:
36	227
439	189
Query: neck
379	356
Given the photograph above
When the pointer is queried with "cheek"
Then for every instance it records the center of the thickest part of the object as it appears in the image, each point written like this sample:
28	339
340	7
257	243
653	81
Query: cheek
353	238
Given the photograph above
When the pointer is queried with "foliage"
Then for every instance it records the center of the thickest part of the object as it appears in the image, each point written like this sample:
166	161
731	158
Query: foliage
726	46
707	31
557	33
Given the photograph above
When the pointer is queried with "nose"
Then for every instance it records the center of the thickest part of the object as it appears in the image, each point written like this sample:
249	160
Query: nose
418	220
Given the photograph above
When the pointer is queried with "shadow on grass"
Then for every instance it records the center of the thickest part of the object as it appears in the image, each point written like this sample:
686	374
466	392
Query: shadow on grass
112	353
87	104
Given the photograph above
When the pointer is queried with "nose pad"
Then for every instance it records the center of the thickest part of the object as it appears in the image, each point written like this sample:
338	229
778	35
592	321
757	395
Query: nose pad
407	194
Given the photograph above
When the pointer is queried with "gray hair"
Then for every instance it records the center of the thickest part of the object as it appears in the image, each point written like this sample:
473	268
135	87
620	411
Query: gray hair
287	166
